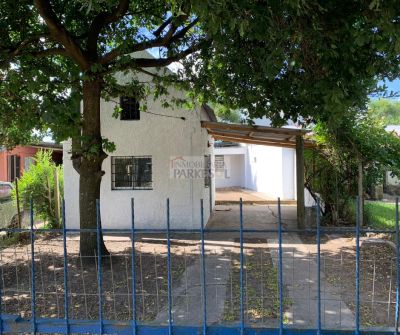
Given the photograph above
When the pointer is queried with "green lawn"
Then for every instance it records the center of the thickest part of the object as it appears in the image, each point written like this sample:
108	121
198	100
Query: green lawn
380	215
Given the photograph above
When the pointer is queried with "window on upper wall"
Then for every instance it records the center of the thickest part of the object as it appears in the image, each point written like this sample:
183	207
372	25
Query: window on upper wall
131	173
130	108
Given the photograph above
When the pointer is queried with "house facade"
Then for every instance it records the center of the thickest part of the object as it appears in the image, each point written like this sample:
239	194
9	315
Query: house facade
160	153
14	162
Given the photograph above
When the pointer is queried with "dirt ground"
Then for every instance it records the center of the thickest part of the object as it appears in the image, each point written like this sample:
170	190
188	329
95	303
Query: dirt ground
377	276
151	275
261	290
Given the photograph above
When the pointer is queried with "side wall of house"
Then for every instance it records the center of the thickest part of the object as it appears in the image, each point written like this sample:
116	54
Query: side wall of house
161	134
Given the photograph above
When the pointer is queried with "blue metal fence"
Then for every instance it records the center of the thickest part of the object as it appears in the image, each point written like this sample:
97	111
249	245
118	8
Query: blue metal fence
17	324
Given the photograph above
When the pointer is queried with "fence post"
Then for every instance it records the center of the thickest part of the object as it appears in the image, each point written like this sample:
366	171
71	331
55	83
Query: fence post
397	268
57	196
66	302
241	270
169	272
18	203
33	269
203	266
133	264
319	268
357	330
99	266
280	273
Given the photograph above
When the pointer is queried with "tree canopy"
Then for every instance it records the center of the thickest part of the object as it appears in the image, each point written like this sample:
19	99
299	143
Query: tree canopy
388	111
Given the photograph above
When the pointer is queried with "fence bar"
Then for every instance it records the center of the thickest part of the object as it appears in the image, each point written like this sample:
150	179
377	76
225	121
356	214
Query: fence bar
203	266
169	271
133	265
280	273
241	270
327	230
99	267
357	330
319	268
396	331
66	302
33	269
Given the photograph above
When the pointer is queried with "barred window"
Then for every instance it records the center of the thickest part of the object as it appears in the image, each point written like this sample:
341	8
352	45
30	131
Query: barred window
130	108
131	173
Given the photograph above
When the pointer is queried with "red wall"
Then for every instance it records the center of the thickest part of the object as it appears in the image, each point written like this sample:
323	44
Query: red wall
20	151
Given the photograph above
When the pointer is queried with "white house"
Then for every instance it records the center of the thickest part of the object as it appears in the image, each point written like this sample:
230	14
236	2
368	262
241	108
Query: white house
158	156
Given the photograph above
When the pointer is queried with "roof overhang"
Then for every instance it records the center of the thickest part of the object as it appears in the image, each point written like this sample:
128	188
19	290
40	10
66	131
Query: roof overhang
261	135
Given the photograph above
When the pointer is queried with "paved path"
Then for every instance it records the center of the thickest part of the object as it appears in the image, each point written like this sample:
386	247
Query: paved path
300	278
187	307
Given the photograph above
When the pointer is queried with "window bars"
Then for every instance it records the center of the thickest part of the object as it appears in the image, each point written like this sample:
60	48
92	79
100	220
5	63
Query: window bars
67	325
131	173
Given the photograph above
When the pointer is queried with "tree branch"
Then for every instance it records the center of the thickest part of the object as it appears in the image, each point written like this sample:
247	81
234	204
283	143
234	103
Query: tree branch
100	21
60	34
165	41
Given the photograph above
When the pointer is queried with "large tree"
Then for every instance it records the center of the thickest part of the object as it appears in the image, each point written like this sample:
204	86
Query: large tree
283	59
56	53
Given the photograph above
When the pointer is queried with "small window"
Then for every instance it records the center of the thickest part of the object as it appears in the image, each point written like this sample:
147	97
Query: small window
131	173
28	161
220	167
130	108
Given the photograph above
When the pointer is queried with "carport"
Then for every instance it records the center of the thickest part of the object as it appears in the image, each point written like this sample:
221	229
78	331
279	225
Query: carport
269	136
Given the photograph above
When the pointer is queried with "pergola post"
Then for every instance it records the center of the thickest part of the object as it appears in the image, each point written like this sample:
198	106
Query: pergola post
300	181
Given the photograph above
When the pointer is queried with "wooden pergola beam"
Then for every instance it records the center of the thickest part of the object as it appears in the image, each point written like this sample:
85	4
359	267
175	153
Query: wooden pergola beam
252	141
259	129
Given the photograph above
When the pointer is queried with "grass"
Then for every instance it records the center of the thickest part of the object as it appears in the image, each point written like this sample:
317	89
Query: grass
380	215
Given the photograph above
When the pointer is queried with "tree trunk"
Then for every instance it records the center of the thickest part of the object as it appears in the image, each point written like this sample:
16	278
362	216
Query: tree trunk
90	168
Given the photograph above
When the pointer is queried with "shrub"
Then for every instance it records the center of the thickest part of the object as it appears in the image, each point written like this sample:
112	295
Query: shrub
38	184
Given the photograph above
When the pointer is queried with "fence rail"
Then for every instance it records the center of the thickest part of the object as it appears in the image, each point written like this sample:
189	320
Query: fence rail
100	323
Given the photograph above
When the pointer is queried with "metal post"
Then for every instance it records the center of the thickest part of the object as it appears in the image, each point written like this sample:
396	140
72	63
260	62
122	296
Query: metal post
280	274
99	274
133	264
241	270
357	330
66	302
33	283
203	266
398	268
169	272
319	268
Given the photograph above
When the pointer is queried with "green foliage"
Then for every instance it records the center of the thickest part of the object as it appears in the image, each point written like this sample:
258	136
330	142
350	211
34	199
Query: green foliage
380	215
38	184
388	111
308	60
332	169
226	114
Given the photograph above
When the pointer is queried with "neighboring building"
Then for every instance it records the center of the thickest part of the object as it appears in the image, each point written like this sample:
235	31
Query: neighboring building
14	162
151	147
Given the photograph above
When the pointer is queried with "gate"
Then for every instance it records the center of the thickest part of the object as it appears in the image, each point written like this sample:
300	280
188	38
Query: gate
100	323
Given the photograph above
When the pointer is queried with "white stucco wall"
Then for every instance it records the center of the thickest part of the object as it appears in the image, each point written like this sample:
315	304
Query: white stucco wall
161	138
270	170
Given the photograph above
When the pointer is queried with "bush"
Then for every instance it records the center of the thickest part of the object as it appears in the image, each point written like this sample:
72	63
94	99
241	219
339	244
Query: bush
38	184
